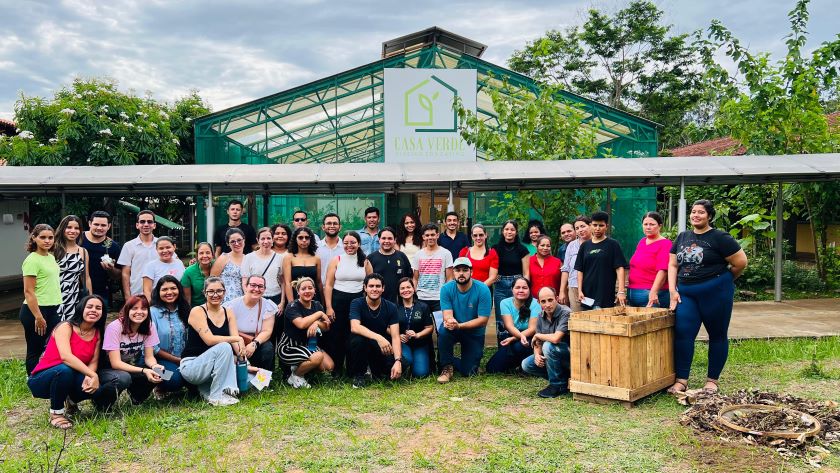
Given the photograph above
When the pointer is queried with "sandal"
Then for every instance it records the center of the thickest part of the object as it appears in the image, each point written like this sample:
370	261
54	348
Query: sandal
713	390
60	422
674	390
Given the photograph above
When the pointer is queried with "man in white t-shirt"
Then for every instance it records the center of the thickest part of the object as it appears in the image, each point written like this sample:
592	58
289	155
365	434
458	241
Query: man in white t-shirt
136	253
331	246
432	267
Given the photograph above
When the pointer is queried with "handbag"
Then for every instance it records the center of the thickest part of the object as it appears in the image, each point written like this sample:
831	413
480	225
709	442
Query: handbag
250	338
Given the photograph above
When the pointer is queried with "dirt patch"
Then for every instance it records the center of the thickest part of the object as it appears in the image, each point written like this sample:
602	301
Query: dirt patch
710	454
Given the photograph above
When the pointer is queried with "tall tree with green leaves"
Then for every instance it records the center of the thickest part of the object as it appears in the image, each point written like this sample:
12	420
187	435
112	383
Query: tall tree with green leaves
534	125
628	60
778	108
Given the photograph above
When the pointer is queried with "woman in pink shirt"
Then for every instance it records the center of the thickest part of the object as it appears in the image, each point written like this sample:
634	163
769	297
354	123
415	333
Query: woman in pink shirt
67	369
649	266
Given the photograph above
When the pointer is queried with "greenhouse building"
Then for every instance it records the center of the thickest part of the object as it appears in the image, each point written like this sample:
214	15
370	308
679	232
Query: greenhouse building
398	109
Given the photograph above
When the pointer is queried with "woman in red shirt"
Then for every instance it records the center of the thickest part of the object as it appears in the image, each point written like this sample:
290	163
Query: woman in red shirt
484	259
67	370
544	267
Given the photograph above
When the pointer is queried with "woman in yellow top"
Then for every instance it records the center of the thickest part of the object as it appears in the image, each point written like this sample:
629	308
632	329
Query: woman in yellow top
41	291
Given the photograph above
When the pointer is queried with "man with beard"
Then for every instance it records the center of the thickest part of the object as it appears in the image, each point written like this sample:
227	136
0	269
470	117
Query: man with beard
103	254
391	263
466	305
137	252
234	212
331	246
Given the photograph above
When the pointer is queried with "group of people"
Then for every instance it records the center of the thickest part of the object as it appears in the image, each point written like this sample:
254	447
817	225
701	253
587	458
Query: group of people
366	304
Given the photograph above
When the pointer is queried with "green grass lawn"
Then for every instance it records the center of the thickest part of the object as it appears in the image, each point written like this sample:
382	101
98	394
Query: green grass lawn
487	423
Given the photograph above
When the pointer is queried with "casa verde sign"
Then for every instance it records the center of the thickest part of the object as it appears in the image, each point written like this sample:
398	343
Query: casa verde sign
420	122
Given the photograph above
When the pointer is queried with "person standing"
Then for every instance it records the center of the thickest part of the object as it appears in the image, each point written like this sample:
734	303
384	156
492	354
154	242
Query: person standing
73	265
331	245
533	231
704	264
600	264
375	340
41	292
568	278
300	219
513	263
432	267
466	305
228	266
544	268
167	263
103	253
485	260
234	213
196	273
648	286
391	264
551	358
370	232
451	238
409	237
265	262
567	235
301	262
136	253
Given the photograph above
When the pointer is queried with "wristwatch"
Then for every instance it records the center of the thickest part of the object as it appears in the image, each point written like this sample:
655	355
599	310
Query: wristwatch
399	359
257	343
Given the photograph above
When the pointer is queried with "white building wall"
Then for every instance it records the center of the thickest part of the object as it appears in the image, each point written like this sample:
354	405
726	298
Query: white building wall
14	230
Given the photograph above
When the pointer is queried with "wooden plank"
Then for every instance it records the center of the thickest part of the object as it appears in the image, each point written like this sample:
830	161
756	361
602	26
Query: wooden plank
602	400
585	373
574	347
650	388
637	357
626	372
595	358
606	355
668	352
650	325
591	326
611	392
651	355
616	361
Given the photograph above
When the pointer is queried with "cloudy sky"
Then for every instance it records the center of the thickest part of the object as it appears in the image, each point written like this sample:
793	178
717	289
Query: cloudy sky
239	50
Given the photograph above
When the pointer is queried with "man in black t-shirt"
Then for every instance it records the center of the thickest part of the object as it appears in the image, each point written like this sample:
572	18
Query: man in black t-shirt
375	335
392	264
600	264
234	212
103	253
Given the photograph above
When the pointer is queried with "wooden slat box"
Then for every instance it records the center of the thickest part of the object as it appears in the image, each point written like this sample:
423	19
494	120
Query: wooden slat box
621	353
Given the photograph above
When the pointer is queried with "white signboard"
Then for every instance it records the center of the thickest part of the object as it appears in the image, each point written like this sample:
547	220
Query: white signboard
420	123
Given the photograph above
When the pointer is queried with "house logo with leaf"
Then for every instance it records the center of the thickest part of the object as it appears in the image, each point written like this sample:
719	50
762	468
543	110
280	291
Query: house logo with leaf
427	106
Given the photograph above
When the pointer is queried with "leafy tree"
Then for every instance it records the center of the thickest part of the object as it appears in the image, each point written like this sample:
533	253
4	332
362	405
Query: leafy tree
628	60
532	126
92	123
776	108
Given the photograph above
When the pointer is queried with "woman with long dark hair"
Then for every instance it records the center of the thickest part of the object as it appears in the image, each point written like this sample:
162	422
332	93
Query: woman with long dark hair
648	285
228	266
170	311
301	262
41	292
484	259
416	326
344	284
303	319
534	229
66	374
129	344
513	263
519	321
73	263
704	264
409	236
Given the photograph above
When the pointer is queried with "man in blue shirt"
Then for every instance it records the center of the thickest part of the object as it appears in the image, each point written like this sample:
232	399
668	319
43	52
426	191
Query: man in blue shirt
450	238
466	305
370	232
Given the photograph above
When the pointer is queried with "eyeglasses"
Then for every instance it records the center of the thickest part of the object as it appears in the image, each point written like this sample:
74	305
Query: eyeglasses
217	292
256	286
478	235
299	219
145	222
237	242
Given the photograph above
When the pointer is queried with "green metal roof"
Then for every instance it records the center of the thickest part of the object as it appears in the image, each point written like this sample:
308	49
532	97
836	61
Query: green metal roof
340	118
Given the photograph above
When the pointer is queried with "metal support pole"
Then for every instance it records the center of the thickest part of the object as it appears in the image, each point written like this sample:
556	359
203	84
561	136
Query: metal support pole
670	210
681	211
63	203
450	207
266	198
211	219
779	256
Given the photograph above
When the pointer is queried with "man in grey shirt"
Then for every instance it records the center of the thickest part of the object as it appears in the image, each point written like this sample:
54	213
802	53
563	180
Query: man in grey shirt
568	278
551	358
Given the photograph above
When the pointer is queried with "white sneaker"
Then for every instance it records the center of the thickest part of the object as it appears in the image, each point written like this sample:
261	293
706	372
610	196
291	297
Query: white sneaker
297	382
225	400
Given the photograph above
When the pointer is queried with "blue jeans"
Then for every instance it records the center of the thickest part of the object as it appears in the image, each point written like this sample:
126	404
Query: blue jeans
709	303
508	357
639	297
57	384
502	289
557	364
176	382
472	349
418	358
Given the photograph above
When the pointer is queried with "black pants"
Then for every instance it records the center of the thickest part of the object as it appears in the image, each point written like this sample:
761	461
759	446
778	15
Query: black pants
35	344
264	356
334	341
112	382
364	354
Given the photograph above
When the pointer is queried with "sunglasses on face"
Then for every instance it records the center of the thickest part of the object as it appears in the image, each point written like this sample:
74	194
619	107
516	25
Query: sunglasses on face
145	222
298	219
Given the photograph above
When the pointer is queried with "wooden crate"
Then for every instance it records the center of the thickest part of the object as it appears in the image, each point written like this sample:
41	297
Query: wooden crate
621	354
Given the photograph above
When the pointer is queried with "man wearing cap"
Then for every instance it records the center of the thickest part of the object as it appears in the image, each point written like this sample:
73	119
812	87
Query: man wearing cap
466	306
